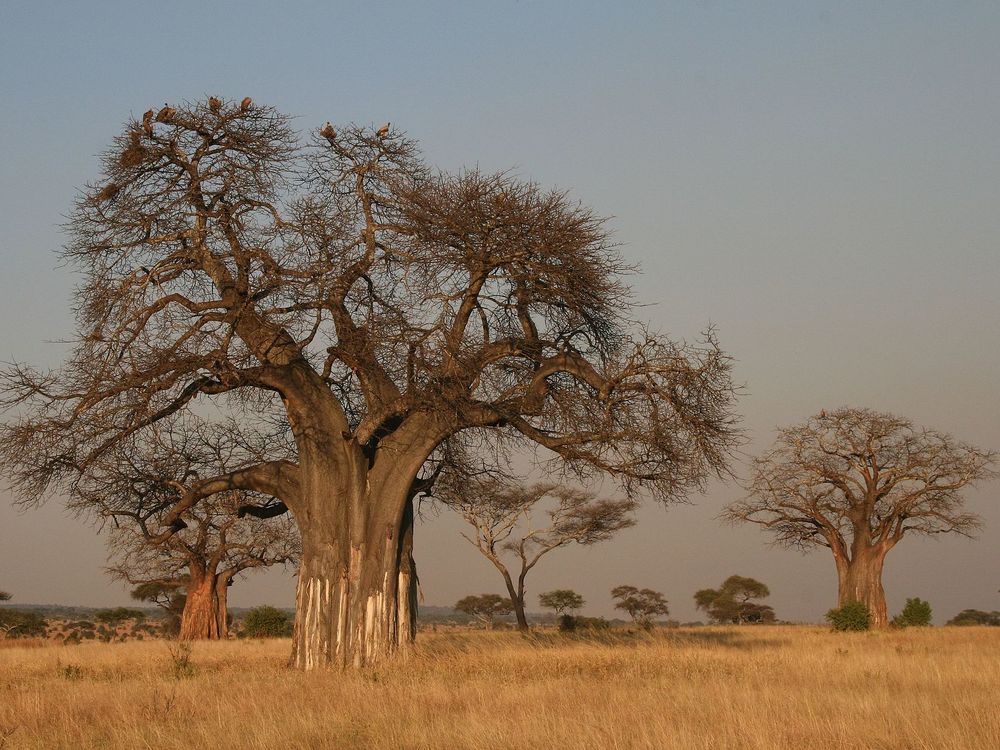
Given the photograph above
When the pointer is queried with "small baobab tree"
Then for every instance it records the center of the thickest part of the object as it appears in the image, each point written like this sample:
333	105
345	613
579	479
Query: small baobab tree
378	308
196	566
201	554
856	481
503	516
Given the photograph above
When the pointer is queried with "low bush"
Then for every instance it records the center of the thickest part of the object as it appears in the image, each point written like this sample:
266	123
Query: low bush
916	613
266	622
852	616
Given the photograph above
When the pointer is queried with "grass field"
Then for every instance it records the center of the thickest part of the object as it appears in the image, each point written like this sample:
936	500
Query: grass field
753	687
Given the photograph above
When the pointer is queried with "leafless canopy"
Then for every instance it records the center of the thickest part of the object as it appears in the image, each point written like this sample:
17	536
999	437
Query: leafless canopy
504	516
133	488
860	475
222	256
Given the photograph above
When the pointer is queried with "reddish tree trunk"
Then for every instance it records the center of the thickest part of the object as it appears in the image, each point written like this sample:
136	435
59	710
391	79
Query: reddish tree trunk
204	615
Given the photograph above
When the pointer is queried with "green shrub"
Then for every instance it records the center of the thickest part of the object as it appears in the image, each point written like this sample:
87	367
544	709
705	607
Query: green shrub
16	623
266	622
852	616
916	613
119	615
567	623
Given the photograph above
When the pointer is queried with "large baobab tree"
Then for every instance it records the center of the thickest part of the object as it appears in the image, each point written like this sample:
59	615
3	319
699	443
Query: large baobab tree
381	308
856	481
504	519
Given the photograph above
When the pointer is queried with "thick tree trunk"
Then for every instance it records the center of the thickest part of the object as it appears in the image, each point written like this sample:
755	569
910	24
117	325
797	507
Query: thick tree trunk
355	602
201	618
860	580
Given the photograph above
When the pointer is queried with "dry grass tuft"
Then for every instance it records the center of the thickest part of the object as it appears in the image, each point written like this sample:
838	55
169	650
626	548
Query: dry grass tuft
760	687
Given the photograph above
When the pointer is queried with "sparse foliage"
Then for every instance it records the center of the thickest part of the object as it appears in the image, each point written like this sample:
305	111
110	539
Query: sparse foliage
916	613
731	602
503	516
561	600
364	309
857	481
485	607
642	605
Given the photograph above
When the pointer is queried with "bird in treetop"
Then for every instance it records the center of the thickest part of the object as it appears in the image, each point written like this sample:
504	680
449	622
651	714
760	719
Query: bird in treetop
383	131
328	132
166	114
147	122
214	104
245	104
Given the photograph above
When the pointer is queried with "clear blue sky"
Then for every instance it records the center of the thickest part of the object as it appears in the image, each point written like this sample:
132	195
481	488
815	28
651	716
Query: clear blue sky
821	181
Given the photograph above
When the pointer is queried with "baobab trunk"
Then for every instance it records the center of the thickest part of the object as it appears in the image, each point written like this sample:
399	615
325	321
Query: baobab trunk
860	580
204	615
355	602
408	581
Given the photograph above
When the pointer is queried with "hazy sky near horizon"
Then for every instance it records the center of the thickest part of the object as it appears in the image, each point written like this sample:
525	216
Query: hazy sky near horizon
820	181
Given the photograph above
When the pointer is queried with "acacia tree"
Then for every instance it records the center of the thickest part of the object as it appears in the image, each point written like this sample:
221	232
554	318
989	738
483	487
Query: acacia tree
640	604
485	607
561	600
4	596
381	309
501	514
168	595
857	481
731	602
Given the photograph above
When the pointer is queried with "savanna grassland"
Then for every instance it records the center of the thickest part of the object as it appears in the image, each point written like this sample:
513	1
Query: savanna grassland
752	687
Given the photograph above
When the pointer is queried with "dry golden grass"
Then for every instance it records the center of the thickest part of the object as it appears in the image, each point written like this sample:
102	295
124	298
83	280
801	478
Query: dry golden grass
759	687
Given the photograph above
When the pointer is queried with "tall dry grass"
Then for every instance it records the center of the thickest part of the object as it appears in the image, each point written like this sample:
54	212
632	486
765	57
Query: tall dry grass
759	687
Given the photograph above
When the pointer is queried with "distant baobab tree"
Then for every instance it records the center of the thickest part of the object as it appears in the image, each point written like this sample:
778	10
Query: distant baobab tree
856	481
378	309
198	564
134	487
